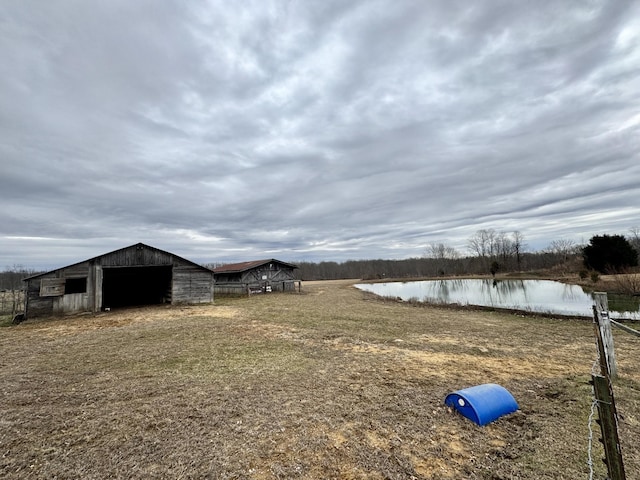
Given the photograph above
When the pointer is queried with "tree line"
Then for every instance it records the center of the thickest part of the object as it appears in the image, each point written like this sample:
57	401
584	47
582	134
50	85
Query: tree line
11	277
488	252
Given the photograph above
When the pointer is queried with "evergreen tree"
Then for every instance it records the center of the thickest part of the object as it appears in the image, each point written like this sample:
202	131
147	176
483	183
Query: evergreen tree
609	253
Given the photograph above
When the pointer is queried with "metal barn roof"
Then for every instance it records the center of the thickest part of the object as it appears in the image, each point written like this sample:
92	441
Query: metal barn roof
244	266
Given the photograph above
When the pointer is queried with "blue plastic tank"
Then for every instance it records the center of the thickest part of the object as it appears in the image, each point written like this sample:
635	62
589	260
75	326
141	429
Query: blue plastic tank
482	404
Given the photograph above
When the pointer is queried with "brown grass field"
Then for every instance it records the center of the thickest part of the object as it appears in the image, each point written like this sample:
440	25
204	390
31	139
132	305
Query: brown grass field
327	383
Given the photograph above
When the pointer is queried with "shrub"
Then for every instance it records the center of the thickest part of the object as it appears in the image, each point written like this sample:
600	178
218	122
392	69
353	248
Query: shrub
595	276
628	283
495	266
609	252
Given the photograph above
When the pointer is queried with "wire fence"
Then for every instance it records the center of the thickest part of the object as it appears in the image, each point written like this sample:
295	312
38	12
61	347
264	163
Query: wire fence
603	398
625	328
11	302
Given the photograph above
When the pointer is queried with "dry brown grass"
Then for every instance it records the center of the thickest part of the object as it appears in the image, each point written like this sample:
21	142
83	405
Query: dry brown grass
331	383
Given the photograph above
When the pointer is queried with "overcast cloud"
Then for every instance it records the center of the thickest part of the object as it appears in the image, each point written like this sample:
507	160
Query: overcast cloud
313	130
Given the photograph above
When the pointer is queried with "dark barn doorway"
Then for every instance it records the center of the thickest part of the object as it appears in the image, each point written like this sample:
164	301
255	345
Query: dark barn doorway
136	286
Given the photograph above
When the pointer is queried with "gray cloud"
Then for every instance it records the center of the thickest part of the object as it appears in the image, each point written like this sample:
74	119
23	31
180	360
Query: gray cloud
313	130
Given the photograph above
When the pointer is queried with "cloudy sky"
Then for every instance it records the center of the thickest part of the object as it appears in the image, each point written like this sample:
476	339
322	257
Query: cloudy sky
313	130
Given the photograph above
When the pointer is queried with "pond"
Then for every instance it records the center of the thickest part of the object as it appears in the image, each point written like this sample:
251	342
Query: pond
543	296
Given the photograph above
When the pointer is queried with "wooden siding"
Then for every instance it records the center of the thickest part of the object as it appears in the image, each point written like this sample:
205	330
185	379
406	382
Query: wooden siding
257	275
236	288
190	283
271	276
136	256
75	302
35	305
51	287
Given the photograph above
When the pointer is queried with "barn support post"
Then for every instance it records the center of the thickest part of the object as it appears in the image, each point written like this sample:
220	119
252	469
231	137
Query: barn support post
95	291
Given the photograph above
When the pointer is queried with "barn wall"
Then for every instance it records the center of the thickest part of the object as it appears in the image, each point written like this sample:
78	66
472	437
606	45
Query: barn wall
236	288
230	288
279	278
272	276
191	284
58	302
254	275
75	302
136	256
36	305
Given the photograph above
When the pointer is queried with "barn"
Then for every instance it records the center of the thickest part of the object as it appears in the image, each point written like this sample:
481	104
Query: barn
131	276
256	276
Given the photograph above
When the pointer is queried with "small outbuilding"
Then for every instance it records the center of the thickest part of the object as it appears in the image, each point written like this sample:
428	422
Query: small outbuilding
256	276
132	276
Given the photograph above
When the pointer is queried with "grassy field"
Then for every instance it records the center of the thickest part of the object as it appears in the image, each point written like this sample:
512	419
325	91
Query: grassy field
328	383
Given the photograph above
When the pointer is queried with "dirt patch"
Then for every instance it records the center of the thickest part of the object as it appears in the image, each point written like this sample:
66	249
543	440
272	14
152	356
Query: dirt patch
328	383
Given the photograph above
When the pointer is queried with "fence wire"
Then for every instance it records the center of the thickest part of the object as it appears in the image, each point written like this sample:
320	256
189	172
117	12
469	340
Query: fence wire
625	328
595	370
594	404
11	302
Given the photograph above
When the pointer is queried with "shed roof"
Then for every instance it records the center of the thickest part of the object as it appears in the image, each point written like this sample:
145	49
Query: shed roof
115	251
244	266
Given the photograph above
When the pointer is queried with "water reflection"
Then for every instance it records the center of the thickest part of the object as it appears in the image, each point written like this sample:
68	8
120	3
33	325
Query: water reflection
624	303
531	295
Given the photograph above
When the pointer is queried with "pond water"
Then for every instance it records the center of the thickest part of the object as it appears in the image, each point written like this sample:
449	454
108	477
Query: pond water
544	296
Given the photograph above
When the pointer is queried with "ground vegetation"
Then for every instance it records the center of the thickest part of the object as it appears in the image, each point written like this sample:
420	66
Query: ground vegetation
328	383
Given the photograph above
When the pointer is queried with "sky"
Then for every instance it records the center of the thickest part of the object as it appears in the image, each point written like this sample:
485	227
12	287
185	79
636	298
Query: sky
313	130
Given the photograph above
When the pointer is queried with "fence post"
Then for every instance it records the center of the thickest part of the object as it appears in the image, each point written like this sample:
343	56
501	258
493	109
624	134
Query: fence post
608	420
604	337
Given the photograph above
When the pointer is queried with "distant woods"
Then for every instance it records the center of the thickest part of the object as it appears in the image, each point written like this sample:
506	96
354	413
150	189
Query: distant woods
487	252
12	289
11	277
428	267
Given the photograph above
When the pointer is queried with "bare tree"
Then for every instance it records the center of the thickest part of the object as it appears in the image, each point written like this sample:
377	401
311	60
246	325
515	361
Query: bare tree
441	251
482	243
634	238
519	246
562	247
442	255
503	247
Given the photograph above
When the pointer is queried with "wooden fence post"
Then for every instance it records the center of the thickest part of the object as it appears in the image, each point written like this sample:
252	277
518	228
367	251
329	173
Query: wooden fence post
604	337
608	420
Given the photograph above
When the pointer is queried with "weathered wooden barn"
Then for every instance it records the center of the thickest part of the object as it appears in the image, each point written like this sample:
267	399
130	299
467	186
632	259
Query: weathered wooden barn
255	277
134	275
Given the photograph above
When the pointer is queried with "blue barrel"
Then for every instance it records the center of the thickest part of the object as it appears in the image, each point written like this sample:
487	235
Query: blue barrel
482	404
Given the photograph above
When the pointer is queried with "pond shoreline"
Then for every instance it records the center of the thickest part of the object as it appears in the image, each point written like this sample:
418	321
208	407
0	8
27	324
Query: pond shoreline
482	308
605	283
536	297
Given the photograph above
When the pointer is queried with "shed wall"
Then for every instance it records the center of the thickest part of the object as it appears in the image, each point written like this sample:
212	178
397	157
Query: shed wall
278	278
